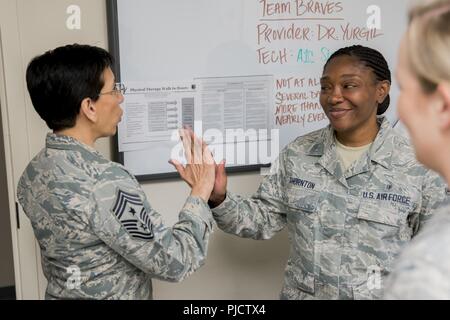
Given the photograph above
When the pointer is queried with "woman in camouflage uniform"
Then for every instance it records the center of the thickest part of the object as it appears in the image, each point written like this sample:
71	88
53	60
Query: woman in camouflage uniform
351	194
98	234
423	269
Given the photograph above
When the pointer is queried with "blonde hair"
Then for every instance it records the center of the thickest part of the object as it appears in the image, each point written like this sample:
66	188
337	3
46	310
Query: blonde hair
429	42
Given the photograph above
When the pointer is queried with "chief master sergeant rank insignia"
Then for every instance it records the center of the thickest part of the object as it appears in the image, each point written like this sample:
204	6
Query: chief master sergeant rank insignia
130	211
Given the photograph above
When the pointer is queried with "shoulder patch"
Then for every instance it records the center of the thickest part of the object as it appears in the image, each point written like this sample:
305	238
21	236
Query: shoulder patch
130	211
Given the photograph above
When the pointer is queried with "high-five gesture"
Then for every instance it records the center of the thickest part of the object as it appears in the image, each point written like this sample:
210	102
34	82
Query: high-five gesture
199	172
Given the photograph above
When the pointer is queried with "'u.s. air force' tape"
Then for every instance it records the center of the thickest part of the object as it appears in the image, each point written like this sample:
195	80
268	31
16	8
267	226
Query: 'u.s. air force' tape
130	211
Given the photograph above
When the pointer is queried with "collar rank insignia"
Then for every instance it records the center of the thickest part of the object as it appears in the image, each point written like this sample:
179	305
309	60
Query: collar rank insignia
130	211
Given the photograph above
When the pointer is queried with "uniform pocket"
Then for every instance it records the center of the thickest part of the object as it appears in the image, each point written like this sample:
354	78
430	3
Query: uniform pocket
299	279
372	213
302	214
378	228
299	199
365	292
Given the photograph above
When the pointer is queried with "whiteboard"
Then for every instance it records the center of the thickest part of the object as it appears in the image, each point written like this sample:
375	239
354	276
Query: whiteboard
171	53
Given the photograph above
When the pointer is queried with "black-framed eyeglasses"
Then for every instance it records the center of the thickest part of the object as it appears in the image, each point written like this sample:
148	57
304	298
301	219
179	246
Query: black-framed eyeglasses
119	88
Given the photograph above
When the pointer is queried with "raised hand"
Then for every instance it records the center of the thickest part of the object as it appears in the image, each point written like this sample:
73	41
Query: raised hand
199	172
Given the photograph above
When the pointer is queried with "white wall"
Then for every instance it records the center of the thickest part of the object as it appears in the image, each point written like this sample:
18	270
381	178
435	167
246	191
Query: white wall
6	256
236	268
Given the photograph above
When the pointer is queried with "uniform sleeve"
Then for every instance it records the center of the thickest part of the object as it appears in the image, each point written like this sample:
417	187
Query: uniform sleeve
123	218
435	195
258	217
422	269
417	279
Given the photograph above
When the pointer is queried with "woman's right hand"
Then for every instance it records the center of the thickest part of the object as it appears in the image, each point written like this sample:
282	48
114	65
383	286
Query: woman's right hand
199	172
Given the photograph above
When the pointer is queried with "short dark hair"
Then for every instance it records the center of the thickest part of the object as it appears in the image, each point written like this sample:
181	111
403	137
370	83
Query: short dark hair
372	59
60	79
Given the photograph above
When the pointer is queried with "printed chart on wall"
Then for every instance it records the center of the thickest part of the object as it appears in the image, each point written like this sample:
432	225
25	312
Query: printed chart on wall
245	74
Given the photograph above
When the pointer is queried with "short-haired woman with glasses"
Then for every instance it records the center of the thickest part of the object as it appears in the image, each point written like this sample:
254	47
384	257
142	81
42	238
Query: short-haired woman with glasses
98	234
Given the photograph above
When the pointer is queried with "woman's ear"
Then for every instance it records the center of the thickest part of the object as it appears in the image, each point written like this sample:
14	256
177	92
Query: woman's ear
443	91
383	90
89	110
